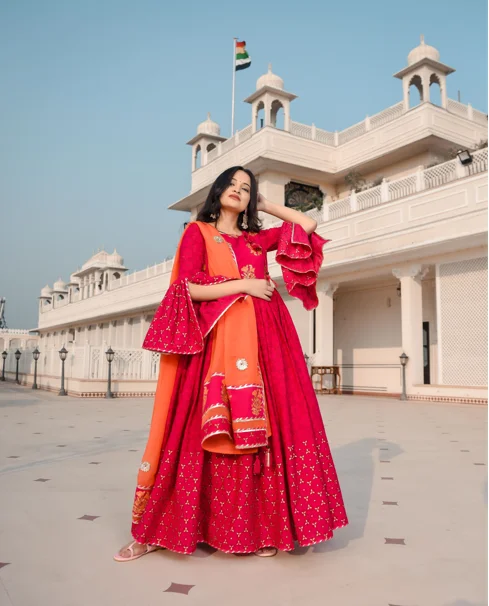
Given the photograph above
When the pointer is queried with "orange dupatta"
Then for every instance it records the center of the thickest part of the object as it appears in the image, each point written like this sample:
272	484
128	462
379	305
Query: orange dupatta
234	415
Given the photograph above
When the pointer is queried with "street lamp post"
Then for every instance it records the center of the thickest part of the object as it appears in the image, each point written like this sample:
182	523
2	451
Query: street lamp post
4	356
36	353
63	352
17	357
404	359
110	358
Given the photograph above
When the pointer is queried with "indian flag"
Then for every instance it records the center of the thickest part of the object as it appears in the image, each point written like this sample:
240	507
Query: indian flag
242	58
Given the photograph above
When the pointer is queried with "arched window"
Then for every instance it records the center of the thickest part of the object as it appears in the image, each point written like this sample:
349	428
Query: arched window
435	90
116	275
277	115
260	115
415	91
210	147
198	157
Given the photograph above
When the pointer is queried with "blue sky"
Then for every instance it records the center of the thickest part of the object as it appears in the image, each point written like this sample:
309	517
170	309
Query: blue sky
100	96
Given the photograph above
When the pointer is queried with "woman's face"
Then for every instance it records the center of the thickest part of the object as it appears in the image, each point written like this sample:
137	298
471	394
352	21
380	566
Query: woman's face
237	195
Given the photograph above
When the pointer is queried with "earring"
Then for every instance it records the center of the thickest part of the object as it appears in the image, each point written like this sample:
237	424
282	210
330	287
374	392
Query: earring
213	216
244	222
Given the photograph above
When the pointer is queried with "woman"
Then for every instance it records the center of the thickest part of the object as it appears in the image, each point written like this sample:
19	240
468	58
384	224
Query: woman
237	455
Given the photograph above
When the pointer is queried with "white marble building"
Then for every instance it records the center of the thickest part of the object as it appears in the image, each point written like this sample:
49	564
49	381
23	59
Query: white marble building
405	271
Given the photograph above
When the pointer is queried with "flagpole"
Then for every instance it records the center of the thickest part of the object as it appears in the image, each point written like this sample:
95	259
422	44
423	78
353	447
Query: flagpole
234	86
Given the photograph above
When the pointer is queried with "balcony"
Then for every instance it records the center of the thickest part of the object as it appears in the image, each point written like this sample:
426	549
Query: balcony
315	153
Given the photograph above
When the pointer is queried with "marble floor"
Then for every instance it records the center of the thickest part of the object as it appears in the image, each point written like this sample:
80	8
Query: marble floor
414	479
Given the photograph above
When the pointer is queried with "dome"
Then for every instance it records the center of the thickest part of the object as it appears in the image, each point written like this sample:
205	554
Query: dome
270	79
59	286
209	127
423	51
46	291
74	279
115	258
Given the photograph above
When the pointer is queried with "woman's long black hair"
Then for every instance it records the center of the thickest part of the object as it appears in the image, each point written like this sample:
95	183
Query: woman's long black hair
212	206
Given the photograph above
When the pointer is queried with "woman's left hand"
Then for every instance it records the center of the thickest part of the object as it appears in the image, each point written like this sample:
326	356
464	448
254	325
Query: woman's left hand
261	202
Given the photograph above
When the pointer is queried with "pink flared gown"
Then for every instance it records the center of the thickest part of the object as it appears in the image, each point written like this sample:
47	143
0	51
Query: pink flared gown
239	503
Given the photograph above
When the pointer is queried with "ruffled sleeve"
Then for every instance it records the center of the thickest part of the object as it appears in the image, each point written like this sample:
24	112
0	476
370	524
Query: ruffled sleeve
180	325
300	255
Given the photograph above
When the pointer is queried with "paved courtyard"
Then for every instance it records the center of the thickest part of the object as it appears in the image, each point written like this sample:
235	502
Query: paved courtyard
413	477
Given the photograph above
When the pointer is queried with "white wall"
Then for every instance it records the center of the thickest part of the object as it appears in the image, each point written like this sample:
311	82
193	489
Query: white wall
462	304
367	335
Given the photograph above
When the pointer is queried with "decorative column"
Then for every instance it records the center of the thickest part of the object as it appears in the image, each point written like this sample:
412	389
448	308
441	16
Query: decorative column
127	328
324	355
111	334
412	321
425	79
142	331
443	91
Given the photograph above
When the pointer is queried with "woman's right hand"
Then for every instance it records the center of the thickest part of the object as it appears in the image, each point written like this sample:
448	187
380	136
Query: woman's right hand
262	289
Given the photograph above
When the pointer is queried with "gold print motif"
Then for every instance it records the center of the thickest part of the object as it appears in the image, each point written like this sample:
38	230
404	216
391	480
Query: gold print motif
248	271
224	394
254	249
257	403
140	502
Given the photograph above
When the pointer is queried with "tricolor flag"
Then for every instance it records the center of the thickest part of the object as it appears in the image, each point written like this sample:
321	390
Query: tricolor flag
242	58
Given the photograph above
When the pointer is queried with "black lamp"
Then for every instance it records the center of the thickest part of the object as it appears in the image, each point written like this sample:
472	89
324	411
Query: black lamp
465	157
404	360
63	352
35	354
4	356
110	358
17	355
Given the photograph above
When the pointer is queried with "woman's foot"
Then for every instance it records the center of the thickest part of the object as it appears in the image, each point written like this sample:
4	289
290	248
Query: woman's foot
133	551
266	552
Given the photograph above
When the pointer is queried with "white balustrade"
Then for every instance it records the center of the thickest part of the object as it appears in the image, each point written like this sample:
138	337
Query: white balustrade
368	198
301	130
352	133
479	162
339	208
387	115
455	107
402	187
245	134
312	133
441	173
388	191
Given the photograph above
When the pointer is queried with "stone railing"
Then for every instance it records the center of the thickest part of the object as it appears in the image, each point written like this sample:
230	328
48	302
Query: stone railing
143	274
466	111
13	331
389	191
335	139
421	180
88	362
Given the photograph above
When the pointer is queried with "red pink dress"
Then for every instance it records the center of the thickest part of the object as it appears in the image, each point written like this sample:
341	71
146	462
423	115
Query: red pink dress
241	503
